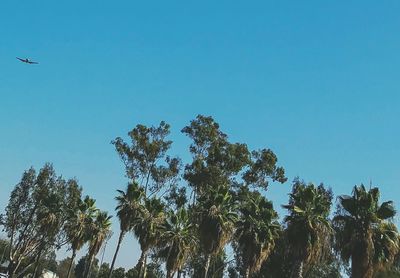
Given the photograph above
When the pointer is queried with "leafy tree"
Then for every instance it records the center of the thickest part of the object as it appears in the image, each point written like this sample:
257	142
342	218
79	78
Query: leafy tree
104	270
262	168
128	210
195	266
147	164
47	262
276	264
143	157
256	231
4	250
33	218
119	273
363	233
219	165
63	268
217	161
81	267
132	273
308	229
153	270
176	197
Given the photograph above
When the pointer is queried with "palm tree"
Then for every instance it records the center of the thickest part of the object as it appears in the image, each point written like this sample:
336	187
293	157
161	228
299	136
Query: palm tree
129	205
99	232
363	232
178	239
256	231
78	225
147	228
217	218
386	245
308	228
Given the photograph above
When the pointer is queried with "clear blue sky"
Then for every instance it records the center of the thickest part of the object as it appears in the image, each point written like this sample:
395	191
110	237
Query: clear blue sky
316	81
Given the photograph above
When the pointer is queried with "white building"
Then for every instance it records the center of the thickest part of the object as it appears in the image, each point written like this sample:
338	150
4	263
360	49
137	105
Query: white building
48	274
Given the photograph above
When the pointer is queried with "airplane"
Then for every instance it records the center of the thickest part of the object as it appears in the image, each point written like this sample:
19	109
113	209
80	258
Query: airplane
26	60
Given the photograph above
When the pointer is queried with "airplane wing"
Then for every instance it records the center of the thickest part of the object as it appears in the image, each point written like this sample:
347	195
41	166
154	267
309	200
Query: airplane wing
22	60
30	62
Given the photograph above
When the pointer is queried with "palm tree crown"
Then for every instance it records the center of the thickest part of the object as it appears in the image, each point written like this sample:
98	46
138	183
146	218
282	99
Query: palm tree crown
308	228
178	240
217	218
363	233
128	205
147	228
257	230
128	209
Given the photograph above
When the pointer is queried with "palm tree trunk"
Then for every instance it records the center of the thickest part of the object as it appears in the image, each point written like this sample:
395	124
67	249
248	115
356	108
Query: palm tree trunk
360	261
207	265
71	263
11	269
360	267
145	267
20	274
142	263
121	236
298	270
89	269
37	264
88	265
247	275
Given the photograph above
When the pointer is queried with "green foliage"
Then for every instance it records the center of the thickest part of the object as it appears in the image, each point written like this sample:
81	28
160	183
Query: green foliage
195	266
4	249
129	205
149	146
148	223
279	261
364	233
186	228
216	161
35	217
176	197
216	219
308	230
118	273
218	168
154	270
147	228
104	270
82	265
390	272
129	208
178	240
99	231
256	230
63	266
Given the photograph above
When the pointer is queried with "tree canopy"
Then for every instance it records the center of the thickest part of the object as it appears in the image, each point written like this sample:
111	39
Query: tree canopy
210	216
